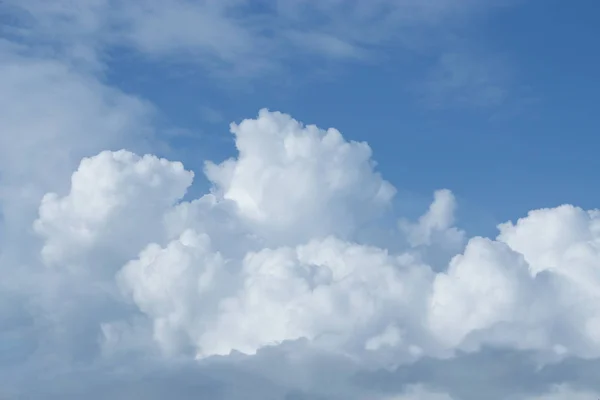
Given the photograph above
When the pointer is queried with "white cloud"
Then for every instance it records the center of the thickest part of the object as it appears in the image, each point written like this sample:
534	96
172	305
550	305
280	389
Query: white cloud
296	196
115	202
335	294
541	273
547	235
563	243
287	176
268	264
483	288
436	224
112	286
241	36
55	115
177	286
295	272
51	115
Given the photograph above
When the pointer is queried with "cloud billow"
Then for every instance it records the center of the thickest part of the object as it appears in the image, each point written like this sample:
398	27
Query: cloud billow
267	270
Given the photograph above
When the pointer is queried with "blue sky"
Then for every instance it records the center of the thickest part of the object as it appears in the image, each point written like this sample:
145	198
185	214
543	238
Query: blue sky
503	157
299	200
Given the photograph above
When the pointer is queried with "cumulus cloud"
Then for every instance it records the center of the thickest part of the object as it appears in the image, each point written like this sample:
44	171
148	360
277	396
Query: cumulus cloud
301	278
437	224
321	292
482	288
112	196
267	272
287	176
115	284
51	116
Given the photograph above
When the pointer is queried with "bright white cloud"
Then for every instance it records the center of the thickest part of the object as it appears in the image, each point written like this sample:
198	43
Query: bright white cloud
292	200
177	286
115	203
51	115
270	257
55	115
114	287
436	224
484	287
287	176
337	294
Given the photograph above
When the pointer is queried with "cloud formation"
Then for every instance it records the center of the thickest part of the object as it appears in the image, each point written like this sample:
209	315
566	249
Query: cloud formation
55	115
267	270
243	37
299	194
117	283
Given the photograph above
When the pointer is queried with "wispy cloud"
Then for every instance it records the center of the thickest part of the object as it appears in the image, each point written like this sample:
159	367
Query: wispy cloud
238	31
211	114
467	79
250	39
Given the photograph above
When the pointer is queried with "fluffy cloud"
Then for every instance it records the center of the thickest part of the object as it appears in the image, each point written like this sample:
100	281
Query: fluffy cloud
177	287
483	288
298	194
269	266
436	225
114	286
52	115
340	295
560	245
113	205
287	176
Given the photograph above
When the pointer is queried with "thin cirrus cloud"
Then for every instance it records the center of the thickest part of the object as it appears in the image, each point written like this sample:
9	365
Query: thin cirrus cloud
471	80
258	38
265	39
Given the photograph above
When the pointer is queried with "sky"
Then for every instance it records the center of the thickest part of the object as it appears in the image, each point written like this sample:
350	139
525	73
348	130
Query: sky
299	200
